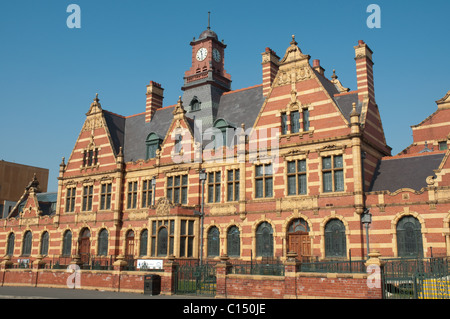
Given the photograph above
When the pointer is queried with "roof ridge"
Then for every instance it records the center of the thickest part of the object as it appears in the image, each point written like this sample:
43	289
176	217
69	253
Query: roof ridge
401	156
112	113
243	89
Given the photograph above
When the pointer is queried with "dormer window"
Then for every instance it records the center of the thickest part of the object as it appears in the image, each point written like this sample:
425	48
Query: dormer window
224	128
152	143
195	104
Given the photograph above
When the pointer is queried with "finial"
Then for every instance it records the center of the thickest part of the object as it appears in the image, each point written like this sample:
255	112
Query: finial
334	76
96	97
293	40
209	15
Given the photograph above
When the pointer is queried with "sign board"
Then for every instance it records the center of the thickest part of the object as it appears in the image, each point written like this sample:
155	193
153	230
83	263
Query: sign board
149	264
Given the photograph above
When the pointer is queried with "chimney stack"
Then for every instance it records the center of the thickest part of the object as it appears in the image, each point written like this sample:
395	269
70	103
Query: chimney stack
154	100
318	68
364	70
270	68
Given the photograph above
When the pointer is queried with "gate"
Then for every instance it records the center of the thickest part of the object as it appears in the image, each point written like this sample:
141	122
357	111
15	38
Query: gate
192	278
416	278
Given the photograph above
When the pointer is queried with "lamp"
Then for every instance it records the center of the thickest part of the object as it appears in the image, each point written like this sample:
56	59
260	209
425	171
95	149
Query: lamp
202	177
153	190
366	220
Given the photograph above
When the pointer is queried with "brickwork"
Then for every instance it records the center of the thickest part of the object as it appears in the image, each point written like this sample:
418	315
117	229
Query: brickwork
339	145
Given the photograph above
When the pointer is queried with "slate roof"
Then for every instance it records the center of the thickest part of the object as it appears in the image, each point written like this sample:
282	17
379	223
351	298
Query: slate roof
344	102
47	202
405	172
241	106
130	133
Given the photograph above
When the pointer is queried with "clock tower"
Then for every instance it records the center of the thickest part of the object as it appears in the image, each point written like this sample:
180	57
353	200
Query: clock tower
206	80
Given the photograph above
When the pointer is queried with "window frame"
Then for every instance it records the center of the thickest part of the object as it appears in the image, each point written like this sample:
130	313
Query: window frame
70	199
233	185
297	175
263	179
330	174
180	190
132	194
213	242
214	186
260	240
335	239
10	244
153	141
27	243
105	196
88	195
45	241
103	242
233	241
67	244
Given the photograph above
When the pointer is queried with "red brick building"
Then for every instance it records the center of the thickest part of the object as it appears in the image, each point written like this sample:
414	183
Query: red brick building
291	164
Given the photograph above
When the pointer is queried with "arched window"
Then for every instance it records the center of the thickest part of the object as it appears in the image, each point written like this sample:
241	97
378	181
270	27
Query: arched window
103	243
143	242
44	244
152	142
233	242
162	241
26	243
195	104
264	240
409	237
67	243
335	242
298	225
10	244
213	242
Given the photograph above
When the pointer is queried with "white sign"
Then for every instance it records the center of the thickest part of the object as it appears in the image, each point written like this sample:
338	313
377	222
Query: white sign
150	264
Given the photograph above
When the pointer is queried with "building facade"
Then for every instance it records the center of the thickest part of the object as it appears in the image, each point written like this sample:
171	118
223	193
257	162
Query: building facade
13	180
290	165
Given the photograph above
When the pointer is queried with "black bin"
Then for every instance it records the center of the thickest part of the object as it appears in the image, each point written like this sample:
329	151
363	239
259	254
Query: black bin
152	285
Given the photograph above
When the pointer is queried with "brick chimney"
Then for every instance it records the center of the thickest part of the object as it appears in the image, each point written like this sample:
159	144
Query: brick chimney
154	100
364	70
269	69
317	67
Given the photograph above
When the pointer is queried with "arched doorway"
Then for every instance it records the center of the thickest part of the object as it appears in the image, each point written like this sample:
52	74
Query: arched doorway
129	244
298	238
84	245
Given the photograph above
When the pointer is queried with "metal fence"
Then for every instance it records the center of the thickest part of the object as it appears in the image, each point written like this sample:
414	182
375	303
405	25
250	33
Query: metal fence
334	266
416	278
268	267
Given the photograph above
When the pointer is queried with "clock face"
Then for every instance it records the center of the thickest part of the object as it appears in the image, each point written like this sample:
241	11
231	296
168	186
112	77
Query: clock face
201	54
216	55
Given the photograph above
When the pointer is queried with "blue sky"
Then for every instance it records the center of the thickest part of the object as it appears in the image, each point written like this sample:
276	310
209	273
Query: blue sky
50	73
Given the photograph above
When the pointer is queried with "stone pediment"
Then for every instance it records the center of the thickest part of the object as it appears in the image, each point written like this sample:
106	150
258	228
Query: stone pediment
444	102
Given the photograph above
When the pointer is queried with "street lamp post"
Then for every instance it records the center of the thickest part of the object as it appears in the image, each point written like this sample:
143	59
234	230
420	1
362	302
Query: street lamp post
202	177
153	190
366	219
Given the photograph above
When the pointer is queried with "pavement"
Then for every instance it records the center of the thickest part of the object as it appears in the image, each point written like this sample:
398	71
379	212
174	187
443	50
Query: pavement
66	293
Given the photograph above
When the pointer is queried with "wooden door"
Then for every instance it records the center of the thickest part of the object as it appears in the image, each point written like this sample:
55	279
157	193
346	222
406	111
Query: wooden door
84	246
129	245
300	243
